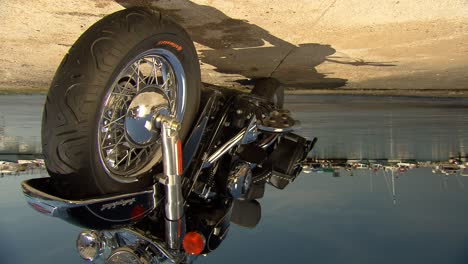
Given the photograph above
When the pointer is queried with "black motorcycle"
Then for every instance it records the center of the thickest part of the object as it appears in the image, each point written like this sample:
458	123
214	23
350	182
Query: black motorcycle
126	159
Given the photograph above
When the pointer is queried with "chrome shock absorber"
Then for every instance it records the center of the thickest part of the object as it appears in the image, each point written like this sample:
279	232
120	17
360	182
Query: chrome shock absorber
172	161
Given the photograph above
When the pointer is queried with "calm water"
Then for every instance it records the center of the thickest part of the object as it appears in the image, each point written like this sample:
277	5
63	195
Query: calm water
357	127
20	123
316	219
353	127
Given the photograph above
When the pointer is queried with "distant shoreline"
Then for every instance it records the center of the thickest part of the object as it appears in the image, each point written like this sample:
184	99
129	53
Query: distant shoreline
457	93
385	92
26	91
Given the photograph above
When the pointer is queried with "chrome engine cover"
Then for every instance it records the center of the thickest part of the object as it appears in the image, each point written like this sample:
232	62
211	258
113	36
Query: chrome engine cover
239	180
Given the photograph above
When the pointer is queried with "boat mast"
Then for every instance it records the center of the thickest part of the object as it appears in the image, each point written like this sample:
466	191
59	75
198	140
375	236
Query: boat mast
393	188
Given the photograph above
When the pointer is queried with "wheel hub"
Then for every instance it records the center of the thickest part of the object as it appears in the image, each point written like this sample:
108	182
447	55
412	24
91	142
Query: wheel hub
140	128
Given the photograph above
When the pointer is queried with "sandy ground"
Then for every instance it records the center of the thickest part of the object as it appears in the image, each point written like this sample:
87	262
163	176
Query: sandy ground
387	47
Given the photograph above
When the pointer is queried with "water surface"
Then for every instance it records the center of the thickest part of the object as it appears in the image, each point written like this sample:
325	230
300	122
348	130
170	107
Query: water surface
20	123
359	127
316	219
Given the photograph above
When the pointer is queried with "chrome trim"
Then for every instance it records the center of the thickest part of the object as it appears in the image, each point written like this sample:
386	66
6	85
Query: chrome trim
139	124
239	180
296	126
251	132
174	208
157	243
269	141
175	231
124	254
225	148
90	245
37	196
132	238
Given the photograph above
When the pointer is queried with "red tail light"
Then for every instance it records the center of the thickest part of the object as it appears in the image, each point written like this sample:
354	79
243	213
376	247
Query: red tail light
41	208
194	243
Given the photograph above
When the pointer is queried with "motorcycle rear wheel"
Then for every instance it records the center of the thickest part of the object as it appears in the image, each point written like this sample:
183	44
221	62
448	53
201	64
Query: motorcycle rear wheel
85	141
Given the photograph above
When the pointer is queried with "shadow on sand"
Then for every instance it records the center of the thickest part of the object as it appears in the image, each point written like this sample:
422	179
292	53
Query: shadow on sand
235	46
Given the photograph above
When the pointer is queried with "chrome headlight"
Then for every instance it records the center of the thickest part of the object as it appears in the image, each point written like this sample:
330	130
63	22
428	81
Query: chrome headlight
90	245
119	246
123	255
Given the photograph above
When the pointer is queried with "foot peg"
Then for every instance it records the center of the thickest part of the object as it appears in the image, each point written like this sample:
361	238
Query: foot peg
278	121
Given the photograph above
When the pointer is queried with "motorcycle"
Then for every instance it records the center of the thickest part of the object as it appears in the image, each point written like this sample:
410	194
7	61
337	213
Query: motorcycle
127	162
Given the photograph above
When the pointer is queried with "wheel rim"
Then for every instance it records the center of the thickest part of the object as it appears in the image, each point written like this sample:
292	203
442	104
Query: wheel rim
157	70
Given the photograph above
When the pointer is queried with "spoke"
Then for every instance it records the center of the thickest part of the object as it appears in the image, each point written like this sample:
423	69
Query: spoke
107	125
118	143
153	70
120	86
118	163
107	132
125	89
164	86
164	73
151	76
129	158
121	94
106	117
139	154
137	72
109	146
115	120
117	89
104	138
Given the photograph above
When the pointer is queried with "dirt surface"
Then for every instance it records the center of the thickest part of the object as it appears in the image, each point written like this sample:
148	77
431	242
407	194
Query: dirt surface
415	48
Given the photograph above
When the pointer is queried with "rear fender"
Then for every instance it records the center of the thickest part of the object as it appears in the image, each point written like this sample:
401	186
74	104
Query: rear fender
103	212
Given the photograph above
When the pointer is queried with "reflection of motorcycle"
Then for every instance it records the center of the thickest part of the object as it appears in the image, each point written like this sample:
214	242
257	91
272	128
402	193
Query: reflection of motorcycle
118	106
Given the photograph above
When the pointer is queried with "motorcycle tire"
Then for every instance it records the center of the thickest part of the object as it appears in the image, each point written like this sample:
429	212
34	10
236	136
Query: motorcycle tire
117	57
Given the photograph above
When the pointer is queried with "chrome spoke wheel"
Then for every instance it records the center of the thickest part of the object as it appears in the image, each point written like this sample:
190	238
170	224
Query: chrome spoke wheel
122	154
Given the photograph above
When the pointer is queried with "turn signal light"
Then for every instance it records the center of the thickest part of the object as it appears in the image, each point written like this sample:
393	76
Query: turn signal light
194	243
